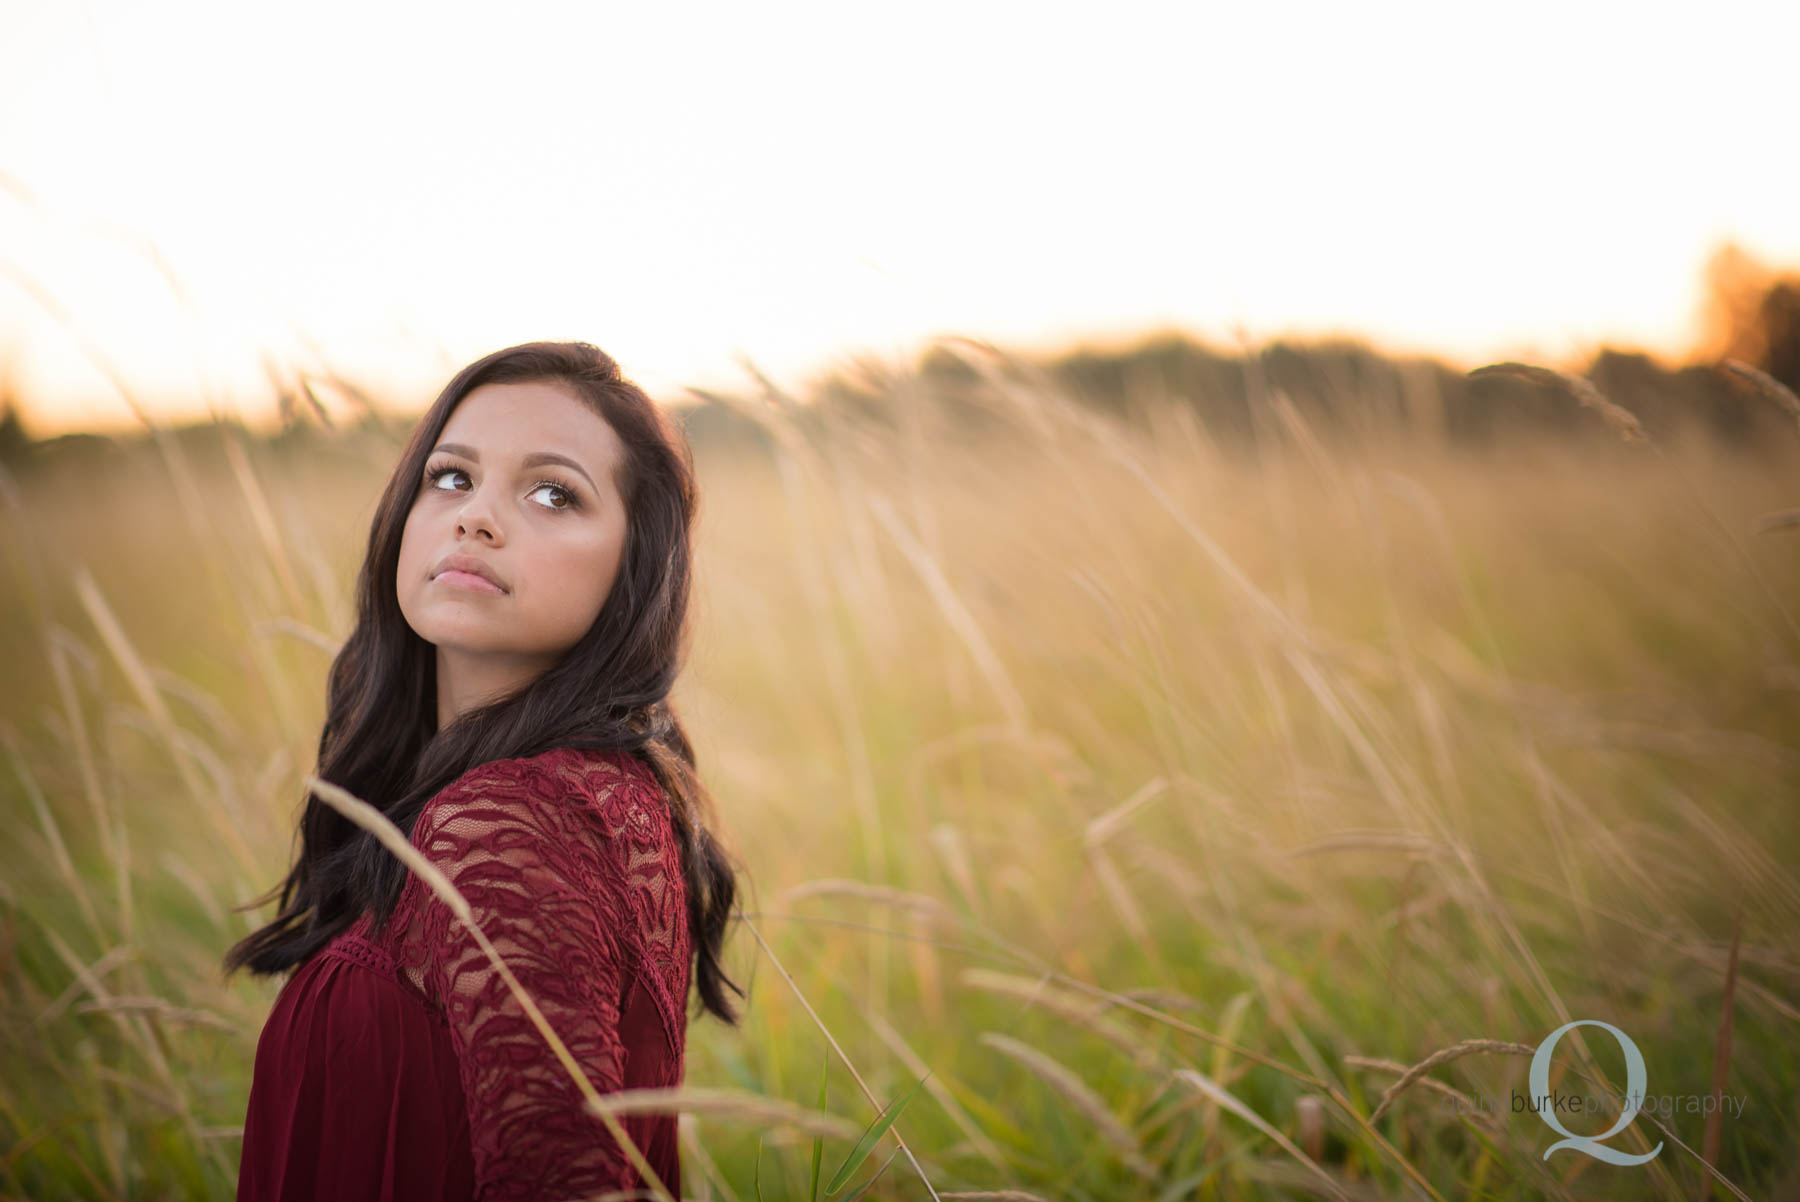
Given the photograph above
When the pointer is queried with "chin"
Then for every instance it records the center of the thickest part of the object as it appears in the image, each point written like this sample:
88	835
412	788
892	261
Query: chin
463	636
442	630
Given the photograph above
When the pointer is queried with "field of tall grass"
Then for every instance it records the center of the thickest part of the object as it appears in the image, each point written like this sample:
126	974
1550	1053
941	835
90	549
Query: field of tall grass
1159	804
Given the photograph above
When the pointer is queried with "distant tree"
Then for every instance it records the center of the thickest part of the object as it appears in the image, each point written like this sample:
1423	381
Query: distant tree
1780	315
1751	312
14	439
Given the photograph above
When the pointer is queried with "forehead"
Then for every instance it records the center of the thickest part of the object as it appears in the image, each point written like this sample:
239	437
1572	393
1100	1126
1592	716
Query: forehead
508	421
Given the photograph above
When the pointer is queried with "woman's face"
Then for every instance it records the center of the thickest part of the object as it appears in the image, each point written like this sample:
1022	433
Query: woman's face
521	481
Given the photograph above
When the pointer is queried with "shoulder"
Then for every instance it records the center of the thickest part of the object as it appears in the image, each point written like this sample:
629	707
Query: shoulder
560	773
552	793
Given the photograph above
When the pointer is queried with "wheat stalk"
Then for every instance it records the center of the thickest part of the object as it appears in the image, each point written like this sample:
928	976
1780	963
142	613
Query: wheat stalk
726	1104
1765	385
1078	1094
1622	420
1455	1051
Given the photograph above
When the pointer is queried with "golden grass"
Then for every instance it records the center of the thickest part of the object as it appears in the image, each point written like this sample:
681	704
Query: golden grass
1155	803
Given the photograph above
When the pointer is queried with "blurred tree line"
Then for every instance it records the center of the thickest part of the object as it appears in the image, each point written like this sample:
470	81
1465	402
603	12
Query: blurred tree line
1750	314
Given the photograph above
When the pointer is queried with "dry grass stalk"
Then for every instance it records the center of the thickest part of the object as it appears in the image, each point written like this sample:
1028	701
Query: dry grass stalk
993	1195
262	520
299	630
688	1134
953	853
59	850
1078	1094
83	982
1455	1051
831	1039
1669	1135
884	895
158	1008
1114	887
1712	1174
1301	431
1292	1181
956	614
728	1104
1622	420
917	1067
1709	1143
1103	828
1309	1125
1405	841
1466	1104
1765	385
1101	831
1091	1015
1217	1093
1168	999
137	672
377	824
149	1043
160	1098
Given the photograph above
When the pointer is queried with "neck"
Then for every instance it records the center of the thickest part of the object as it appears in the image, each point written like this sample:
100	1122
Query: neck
466	682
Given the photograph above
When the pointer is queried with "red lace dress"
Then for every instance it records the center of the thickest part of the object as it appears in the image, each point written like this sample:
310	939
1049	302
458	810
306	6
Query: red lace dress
404	1068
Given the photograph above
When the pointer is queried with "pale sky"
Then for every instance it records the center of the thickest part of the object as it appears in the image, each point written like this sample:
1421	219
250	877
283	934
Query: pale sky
401	189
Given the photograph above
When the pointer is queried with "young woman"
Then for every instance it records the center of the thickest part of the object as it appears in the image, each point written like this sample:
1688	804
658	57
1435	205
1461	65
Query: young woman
504	699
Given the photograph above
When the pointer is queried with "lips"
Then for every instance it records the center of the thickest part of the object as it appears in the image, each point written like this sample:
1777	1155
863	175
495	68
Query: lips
473	566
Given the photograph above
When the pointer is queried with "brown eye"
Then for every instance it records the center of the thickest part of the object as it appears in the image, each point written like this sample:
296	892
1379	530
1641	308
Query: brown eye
568	498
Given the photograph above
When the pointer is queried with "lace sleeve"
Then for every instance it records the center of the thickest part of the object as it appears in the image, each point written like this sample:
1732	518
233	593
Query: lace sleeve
522	847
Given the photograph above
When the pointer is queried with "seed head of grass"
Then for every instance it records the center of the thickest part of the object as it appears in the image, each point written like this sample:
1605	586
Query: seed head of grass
1765	385
1622	420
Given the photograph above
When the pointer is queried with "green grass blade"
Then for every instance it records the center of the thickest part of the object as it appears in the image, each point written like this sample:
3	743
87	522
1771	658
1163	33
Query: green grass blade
871	1137
864	1187
818	1149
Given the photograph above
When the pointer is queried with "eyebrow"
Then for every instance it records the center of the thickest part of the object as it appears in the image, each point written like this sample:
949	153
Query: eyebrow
532	459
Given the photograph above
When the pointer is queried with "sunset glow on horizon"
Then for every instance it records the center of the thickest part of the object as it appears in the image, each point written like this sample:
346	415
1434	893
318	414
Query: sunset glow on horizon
187	191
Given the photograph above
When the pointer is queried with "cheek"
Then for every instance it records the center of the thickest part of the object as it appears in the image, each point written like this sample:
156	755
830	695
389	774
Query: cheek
594	568
608	559
408	544
412	551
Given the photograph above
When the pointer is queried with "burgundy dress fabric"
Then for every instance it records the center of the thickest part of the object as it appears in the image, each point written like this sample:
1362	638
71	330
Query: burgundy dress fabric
403	1068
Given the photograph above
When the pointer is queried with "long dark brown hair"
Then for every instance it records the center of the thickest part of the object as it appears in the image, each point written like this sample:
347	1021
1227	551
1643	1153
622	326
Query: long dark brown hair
609	691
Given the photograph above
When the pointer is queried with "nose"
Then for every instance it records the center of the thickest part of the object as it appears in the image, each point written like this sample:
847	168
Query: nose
476	517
